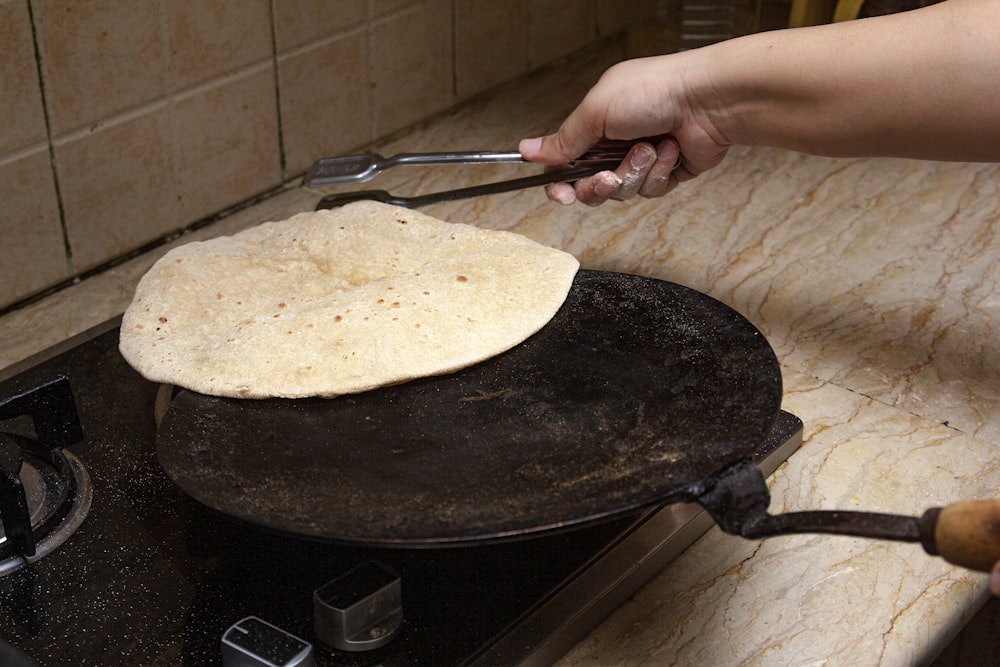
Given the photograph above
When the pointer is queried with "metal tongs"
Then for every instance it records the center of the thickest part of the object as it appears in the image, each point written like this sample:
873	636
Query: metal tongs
360	168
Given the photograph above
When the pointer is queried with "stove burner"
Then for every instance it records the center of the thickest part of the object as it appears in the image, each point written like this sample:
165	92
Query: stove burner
56	506
45	492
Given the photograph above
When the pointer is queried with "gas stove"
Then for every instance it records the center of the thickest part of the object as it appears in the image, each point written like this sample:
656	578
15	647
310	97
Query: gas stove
121	567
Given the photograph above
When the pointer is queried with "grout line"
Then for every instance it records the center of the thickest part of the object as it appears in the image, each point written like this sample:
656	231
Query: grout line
67	248
173	152
163	101
219	80
318	43
370	70
282	158
111	121
454	50
22	152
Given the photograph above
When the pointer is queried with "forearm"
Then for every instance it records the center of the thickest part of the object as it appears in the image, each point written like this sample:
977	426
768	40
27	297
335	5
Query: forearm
923	84
920	84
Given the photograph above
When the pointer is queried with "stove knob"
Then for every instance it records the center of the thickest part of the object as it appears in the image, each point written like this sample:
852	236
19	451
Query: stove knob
360	610
252	642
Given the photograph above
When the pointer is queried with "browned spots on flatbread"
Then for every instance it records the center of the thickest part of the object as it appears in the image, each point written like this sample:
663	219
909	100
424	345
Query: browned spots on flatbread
356	266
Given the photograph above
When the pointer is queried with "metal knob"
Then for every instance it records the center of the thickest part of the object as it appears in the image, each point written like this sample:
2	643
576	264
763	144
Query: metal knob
252	642
360	610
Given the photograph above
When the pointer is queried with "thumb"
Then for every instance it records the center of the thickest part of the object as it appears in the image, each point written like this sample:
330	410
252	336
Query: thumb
559	148
546	150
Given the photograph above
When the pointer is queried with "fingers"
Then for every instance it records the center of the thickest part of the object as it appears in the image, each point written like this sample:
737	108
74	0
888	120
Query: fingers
646	171
634	170
663	175
597	189
561	193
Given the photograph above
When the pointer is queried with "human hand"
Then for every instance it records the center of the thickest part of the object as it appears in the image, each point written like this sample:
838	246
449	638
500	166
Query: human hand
648	97
840	89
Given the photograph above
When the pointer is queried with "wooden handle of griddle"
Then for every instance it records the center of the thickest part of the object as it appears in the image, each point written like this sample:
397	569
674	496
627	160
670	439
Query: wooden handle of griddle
965	533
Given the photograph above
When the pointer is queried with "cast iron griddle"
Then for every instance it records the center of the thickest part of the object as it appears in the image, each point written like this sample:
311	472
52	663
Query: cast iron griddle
636	389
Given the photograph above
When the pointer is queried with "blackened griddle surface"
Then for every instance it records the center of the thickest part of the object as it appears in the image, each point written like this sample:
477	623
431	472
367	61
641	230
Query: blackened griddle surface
636	389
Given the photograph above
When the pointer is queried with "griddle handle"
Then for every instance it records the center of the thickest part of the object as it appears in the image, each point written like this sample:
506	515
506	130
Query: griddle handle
965	533
738	498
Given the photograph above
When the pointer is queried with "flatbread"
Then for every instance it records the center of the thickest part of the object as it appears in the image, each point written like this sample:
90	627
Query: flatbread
339	302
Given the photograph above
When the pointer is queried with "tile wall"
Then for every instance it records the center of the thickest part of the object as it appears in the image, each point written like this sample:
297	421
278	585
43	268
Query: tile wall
123	121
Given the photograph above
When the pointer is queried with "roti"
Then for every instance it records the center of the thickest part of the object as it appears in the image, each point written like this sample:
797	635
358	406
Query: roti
337	302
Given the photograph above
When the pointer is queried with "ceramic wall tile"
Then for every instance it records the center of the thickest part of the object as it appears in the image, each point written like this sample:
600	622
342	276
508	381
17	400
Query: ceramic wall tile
491	44
556	29
225	139
325	100
98	58
208	38
298	22
22	121
33	254
382	8
194	75
411	65
117	187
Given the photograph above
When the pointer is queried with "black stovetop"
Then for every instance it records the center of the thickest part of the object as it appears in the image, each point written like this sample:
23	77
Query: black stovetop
152	578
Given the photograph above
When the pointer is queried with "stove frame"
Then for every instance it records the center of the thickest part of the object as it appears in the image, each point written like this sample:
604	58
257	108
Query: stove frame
168	556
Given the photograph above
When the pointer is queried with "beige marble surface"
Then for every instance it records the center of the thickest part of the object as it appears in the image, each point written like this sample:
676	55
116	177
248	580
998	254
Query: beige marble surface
876	282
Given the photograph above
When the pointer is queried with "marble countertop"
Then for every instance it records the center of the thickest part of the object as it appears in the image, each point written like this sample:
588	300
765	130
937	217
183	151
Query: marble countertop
876	282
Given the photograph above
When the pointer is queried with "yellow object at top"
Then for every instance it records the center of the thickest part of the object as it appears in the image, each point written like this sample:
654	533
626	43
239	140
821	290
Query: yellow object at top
814	12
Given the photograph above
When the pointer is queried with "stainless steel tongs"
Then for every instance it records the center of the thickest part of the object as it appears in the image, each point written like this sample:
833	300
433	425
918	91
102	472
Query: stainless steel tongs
361	168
